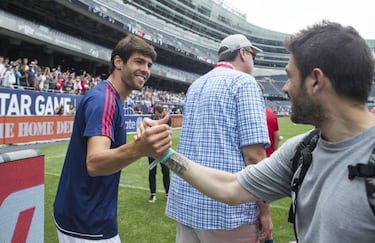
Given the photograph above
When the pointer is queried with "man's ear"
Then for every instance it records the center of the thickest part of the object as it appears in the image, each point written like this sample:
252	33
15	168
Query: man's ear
242	53
319	79
117	61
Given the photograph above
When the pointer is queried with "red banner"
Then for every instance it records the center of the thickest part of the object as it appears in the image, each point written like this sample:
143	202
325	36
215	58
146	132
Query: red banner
21	129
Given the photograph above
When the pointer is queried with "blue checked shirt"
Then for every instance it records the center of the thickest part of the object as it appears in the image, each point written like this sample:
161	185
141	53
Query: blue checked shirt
224	110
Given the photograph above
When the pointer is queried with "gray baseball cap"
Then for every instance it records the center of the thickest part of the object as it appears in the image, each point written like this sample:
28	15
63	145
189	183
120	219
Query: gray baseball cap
234	42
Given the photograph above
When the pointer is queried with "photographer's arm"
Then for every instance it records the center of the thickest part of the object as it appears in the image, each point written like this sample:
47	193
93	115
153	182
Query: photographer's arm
217	184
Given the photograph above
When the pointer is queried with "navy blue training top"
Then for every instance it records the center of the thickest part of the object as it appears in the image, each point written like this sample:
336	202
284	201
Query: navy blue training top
85	206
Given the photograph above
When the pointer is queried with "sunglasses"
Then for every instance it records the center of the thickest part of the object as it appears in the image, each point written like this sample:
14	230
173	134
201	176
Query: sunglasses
252	53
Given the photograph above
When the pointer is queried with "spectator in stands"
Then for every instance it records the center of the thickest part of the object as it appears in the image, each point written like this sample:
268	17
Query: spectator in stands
85	208
138	108
329	80
24	76
69	85
36	66
59	86
9	78
46	76
224	124
25	64
46	80
31	73
17	74
77	85
373	110
53	79
71	110
158	113
40	80
60	110
2	70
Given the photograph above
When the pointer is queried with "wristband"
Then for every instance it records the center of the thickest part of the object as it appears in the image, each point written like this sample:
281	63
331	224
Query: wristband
163	159
166	156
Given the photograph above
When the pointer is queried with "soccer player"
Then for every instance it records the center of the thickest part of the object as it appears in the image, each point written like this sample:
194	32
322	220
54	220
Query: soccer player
85	208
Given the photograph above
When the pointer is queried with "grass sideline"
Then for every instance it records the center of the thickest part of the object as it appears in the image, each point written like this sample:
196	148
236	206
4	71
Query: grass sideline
140	221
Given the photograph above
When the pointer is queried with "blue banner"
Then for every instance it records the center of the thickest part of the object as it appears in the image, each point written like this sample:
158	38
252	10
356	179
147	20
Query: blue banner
18	102
131	122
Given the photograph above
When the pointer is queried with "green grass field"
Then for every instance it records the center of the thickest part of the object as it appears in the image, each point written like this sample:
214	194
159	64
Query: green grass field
140	221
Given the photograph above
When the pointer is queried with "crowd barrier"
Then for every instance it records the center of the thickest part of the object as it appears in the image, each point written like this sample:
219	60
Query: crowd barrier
22	196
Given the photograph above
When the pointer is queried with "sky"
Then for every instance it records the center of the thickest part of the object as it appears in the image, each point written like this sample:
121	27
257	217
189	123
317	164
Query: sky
290	16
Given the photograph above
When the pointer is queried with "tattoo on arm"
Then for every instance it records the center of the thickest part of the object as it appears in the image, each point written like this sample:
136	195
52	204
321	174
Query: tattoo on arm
178	164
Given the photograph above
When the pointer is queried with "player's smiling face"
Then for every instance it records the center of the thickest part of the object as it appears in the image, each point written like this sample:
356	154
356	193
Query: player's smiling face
136	71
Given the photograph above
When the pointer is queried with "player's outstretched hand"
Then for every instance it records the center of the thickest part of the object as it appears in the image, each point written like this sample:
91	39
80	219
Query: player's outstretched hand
154	137
147	122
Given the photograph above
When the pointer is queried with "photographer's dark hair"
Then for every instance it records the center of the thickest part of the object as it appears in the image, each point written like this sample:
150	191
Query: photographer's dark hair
340	52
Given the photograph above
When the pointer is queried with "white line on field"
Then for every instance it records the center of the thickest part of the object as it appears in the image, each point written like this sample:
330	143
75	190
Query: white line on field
121	185
147	189
279	207
55	157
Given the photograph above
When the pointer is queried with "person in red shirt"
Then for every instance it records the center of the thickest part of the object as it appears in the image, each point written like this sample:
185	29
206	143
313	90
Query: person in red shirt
60	84
273	131
273	127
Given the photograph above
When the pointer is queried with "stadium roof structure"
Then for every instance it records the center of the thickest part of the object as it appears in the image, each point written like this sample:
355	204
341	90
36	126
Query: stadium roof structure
210	21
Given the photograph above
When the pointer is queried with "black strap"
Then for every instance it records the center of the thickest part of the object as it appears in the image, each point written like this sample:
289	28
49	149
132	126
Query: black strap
303	158
305	161
310	140
370	186
361	170
368	172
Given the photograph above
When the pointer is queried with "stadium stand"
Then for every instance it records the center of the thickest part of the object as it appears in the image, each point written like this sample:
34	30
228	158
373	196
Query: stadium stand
79	34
